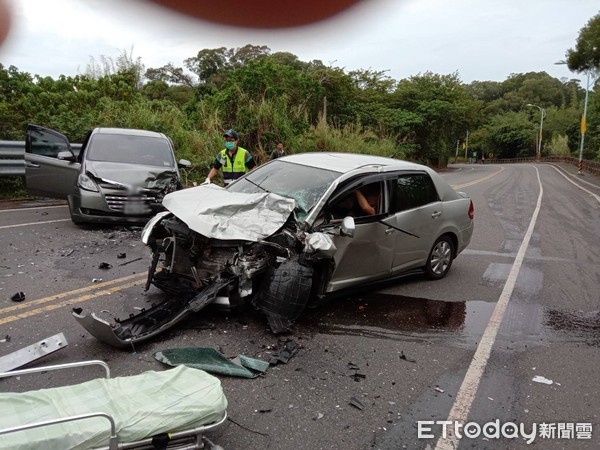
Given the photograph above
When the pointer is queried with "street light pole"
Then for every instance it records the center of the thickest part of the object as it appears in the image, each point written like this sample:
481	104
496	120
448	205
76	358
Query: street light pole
538	154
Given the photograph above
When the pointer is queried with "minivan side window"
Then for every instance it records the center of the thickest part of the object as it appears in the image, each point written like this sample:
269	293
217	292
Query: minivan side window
47	144
411	191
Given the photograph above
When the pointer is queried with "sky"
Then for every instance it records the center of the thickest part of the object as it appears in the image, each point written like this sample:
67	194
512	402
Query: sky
479	40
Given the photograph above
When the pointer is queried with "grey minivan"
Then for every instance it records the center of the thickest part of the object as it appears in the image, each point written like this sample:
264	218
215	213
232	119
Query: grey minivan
119	175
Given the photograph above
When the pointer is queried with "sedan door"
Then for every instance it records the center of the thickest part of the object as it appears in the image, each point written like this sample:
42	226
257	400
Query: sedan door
416	212
45	174
368	255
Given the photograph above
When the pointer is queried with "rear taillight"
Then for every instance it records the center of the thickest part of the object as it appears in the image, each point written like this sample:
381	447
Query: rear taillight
471	210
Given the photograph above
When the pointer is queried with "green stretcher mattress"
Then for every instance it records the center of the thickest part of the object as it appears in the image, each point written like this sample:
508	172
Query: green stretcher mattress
142	406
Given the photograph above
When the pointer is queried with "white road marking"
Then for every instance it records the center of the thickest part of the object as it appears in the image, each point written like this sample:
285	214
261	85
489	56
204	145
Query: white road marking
597	197
33	223
466	394
31	209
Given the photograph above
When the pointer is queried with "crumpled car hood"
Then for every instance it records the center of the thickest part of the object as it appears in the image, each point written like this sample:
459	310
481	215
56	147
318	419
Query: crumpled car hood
218	213
148	177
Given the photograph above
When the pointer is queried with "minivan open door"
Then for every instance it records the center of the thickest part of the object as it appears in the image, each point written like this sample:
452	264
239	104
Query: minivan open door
46	174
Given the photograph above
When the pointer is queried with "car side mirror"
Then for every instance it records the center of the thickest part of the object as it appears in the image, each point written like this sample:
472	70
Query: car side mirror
348	227
184	164
66	156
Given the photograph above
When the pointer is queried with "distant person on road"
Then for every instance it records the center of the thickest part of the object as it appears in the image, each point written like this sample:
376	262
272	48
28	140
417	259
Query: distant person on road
234	161
278	152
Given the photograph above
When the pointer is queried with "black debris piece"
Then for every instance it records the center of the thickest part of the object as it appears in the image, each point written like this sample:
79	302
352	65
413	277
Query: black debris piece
284	351
357	403
353	366
265	410
67	252
129	262
122	255
18	297
104	265
7	338
358	376
403	356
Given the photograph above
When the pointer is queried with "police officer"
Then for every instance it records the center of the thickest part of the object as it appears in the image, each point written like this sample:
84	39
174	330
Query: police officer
233	160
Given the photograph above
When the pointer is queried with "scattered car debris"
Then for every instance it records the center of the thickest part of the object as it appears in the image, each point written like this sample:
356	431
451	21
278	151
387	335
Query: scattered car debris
357	403
283	354
318	416
439	390
129	262
96	280
104	266
32	352
122	255
18	297
212	360
403	357
541	379
67	252
6	338
356	376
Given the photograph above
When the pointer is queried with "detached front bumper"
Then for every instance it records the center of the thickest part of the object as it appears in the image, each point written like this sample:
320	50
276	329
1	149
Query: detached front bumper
149	322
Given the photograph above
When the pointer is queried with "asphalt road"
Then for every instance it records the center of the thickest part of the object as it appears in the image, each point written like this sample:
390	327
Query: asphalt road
521	302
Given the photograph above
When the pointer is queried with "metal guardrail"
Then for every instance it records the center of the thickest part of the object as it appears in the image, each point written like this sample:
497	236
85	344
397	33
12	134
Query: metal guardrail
12	158
592	167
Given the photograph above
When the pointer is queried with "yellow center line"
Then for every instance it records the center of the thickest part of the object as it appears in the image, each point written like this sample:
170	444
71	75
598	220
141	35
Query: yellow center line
479	180
58	305
69	293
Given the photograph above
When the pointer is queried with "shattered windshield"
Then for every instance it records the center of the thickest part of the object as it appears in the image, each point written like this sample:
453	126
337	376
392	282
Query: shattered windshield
306	185
121	148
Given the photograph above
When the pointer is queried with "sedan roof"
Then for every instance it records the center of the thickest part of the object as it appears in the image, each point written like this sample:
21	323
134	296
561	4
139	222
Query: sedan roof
346	162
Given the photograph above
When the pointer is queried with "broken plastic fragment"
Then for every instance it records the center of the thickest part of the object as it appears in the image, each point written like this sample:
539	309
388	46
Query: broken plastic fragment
356	403
96	280
18	297
104	265
540	379
122	255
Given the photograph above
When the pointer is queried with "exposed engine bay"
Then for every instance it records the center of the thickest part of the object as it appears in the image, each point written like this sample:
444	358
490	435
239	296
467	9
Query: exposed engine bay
273	273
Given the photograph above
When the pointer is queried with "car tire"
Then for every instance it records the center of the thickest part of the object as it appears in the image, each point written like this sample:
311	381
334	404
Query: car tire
440	258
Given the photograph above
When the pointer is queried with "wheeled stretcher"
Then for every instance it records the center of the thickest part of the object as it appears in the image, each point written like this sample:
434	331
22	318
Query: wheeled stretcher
153	410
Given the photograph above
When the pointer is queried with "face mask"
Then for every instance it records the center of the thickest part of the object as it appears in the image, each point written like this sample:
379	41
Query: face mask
229	145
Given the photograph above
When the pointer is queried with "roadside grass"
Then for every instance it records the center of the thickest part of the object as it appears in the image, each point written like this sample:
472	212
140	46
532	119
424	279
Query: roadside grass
13	188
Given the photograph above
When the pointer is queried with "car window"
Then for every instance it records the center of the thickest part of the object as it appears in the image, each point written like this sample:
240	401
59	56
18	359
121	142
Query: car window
361	202
121	148
410	191
47	144
306	185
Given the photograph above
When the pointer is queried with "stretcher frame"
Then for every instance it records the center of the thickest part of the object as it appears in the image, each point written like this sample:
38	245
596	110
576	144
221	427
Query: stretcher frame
190	439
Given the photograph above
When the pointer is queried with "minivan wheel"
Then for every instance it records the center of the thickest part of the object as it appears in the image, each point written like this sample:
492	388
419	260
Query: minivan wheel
440	258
